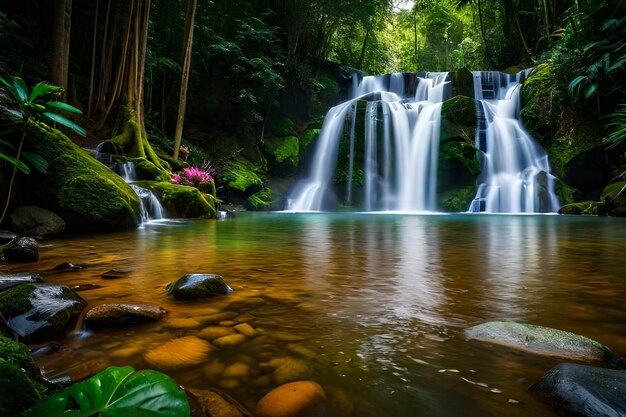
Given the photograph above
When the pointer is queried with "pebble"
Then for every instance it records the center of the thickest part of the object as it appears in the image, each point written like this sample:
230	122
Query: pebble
302	398
245	329
230	340
215	332
237	370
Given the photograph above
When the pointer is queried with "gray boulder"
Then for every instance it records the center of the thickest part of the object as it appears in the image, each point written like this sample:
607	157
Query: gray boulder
123	314
539	340
21	249
584	391
194	286
36	312
36	222
11	280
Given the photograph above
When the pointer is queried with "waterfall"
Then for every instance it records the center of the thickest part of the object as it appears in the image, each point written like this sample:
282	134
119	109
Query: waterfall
151	208
400	143
516	174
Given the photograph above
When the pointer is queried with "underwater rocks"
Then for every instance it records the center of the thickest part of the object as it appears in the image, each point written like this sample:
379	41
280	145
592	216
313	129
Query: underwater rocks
539	340
295	399
40	311
586	391
106	315
195	286
179	353
213	403
21	249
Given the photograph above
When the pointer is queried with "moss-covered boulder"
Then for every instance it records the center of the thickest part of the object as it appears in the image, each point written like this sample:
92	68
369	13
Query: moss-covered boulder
39	311
463	82
458	118
194	286
87	195
280	125
538	340
181	201
459	200
283	154
19	389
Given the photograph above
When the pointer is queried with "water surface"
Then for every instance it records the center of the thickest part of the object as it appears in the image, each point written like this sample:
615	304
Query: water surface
375	305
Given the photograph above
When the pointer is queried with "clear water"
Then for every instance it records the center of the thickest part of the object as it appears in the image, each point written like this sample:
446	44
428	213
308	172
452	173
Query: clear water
376	305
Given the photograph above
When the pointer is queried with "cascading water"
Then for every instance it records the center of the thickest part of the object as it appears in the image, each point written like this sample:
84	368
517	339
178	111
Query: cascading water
400	171
516	175
151	208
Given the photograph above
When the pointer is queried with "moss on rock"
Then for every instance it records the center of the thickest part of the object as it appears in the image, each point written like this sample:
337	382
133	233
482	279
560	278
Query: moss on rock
280	125
84	192
283	154
458	118
240	174
261	200
183	201
17	391
16	300
18	355
146	170
460	200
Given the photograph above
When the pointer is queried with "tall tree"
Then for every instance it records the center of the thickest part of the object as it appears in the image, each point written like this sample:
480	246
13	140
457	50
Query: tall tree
61	42
182	102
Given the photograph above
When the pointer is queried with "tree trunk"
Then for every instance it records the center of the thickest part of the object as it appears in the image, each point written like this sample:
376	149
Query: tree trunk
362	54
93	60
482	27
61	42
190	14
415	37
546	16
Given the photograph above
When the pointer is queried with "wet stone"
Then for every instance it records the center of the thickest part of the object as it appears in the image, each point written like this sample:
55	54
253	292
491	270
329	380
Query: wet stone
227	323
195	286
237	370
21	249
179	353
67	266
229	341
116	273
246	329
295	399
107	315
215	332
213	403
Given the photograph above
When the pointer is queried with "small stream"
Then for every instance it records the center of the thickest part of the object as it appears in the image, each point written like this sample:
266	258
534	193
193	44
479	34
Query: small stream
373	307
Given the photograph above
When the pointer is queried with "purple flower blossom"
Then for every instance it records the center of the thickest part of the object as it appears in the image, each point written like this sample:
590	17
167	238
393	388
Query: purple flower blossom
194	176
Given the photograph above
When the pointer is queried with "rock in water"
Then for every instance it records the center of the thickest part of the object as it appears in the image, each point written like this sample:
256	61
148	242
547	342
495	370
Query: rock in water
40	311
194	286
6	236
21	249
123	314
584	391
214	403
11	280
295	399
539	340
179	353
36	222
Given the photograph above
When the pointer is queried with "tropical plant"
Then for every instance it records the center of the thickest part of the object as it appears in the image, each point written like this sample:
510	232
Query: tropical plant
21	106
617	124
116	392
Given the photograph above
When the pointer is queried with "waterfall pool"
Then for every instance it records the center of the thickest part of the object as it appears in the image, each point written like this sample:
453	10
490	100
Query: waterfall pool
372	307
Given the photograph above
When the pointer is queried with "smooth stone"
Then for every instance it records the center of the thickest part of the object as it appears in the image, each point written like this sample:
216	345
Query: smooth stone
580	390
229	384
195	286
237	370
245	329
289	370
214	369
179	353
126	353
539	340
217	317
11	280
36	222
227	323
67	266
288	337
116	273
214	403
230	340
242	318
85	287
295	399
302	350
215	332
40	311
21	249
123	314
183	323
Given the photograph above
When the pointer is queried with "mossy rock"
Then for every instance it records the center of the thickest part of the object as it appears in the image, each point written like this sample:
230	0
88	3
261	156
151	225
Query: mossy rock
463	82
240	174
283	154
82	191
539	111
17	391
327	88
261	200
182	201
310	135
582	207
16	300
18	355
458	118
146	170
195	286
280	125
567	195
460	200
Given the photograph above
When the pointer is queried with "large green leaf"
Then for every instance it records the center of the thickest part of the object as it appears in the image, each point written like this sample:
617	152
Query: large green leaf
20	165
42	89
117	392
36	161
63	106
65	122
20	86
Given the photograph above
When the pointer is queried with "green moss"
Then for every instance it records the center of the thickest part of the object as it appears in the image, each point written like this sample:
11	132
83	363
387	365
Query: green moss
84	192
183	201
15	300
309	136
327	88
17	354
17	391
283	154
463	153
148	171
566	194
280	125
461	199
540	108
240	174
260	201
460	110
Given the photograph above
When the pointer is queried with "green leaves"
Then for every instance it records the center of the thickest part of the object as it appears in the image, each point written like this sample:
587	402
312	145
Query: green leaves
65	122
117	392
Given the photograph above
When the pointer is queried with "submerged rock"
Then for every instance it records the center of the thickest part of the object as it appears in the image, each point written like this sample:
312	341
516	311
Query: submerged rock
67	266
194	286
179	353
295	399
21	249
214	403
36	222
123	314
587	391
11	280
537	339
19	388
40	311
